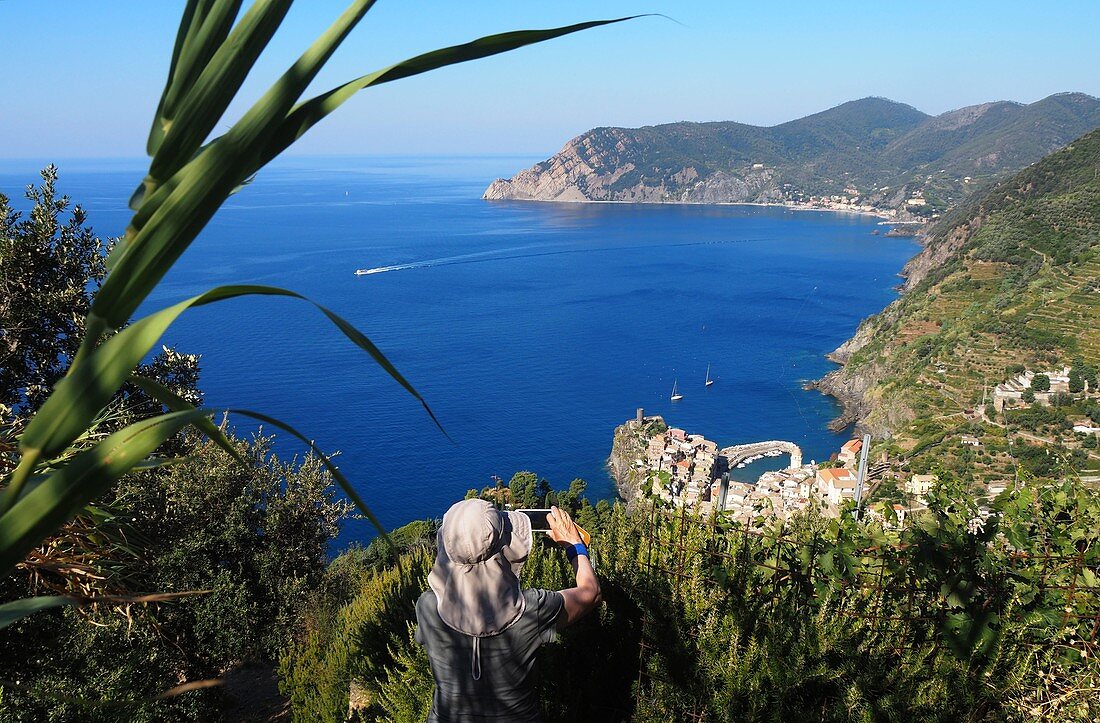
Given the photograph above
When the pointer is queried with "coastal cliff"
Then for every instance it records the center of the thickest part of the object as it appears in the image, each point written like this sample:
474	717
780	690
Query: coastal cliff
871	155
586	170
628	446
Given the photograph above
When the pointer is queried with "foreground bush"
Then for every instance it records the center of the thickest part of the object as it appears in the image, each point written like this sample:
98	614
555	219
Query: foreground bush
255	536
956	618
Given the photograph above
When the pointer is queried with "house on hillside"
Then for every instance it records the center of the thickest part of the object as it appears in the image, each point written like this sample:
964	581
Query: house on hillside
920	484
849	453
899	512
835	485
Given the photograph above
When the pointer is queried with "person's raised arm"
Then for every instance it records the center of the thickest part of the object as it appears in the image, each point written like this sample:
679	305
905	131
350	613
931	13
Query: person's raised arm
585	595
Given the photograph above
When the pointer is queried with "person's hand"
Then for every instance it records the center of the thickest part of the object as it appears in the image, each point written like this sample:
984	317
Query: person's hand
562	528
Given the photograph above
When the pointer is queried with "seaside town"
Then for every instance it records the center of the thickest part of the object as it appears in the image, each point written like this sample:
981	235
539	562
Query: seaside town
913	210
687	469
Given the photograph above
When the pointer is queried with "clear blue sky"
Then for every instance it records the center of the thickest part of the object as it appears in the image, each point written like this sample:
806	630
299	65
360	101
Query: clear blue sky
82	78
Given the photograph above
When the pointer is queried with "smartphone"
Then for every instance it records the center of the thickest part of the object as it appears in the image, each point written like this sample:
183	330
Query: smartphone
539	523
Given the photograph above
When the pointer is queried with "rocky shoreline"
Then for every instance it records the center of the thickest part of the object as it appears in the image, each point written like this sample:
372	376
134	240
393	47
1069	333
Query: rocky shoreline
848	389
852	386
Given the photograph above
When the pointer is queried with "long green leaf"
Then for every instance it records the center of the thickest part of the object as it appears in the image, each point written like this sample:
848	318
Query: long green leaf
204	26
215	21
207	99
78	397
199	36
190	22
270	110
19	609
68	489
167	229
306	115
176	403
168	222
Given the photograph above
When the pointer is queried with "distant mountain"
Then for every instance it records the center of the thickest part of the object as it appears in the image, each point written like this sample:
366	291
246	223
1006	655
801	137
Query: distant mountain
1011	276
883	153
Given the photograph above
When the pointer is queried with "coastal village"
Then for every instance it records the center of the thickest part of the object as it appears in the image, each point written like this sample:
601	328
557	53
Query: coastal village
685	469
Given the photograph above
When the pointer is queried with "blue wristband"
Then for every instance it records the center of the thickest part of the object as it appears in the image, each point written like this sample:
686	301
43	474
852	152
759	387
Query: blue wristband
574	550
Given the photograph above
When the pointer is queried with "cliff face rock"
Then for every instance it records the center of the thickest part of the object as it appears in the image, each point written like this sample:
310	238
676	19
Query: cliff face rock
584	170
936	252
627	449
848	389
859	392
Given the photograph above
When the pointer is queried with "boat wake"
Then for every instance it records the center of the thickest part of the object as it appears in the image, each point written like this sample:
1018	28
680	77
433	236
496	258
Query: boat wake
509	254
493	255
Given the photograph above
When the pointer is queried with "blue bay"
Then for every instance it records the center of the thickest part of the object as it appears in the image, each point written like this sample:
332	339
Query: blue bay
532	329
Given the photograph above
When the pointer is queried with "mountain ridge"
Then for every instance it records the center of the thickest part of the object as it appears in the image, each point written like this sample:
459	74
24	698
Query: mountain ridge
872	152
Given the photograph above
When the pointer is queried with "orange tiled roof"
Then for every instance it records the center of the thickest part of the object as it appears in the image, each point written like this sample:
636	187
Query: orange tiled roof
839	477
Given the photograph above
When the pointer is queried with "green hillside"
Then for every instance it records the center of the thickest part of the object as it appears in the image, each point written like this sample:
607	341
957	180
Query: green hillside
1010	278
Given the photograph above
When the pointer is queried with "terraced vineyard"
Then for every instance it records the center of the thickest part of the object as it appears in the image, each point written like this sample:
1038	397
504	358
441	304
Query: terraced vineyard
1020	284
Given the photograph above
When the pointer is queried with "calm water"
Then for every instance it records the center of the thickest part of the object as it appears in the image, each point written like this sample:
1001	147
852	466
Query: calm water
532	329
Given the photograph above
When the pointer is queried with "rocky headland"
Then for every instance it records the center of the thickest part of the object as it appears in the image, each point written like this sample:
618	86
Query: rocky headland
871	155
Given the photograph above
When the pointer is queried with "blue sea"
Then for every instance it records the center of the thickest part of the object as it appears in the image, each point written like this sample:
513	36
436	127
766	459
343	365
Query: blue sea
532	329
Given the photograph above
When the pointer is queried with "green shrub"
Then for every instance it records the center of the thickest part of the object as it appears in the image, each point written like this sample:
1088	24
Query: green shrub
772	624
353	641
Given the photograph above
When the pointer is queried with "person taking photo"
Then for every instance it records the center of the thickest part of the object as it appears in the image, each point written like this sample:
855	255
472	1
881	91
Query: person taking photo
480	628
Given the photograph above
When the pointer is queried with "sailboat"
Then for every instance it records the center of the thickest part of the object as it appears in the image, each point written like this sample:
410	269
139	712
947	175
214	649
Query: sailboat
709	380
676	396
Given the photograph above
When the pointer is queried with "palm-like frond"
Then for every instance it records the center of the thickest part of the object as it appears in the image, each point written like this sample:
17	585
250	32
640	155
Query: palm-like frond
189	178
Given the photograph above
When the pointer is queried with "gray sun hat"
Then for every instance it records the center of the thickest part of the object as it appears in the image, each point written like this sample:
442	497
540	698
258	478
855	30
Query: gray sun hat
476	573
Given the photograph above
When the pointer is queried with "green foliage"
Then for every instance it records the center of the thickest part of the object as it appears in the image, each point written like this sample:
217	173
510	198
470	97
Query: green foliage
1038	417
525	490
1037	460
958	617
1081	375
49	266
1041	383
260	557
383	553
354	639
